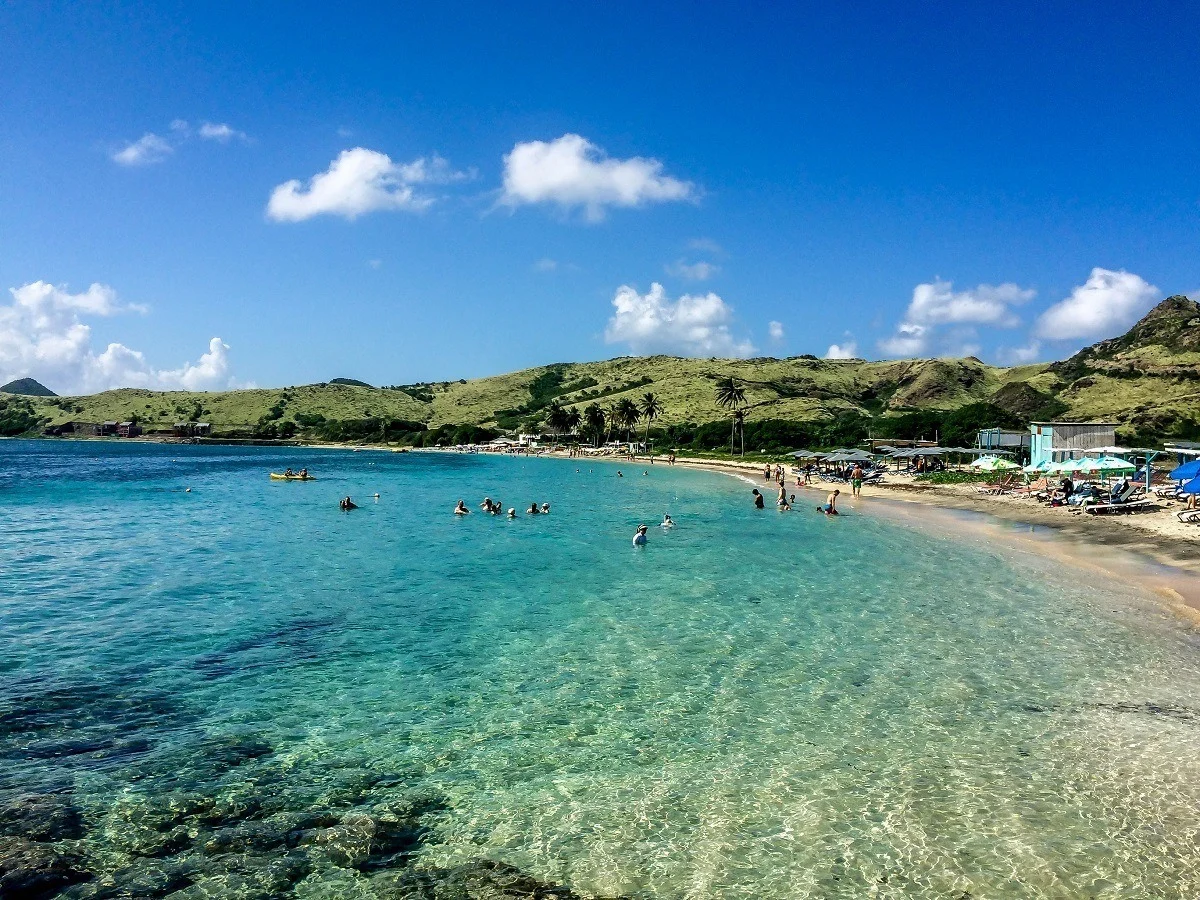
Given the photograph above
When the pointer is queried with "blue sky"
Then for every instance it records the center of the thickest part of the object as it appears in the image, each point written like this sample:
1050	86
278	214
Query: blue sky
512	185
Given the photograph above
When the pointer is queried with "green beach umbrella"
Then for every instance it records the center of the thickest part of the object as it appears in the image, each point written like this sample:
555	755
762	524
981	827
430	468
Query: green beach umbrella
1037	468
1109	464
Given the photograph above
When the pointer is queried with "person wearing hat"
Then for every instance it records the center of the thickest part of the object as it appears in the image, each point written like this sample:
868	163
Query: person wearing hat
639	537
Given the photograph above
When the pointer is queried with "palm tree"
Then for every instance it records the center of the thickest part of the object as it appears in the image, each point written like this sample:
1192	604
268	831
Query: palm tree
731	395
594	421
626	413
572	420
556	417
651	409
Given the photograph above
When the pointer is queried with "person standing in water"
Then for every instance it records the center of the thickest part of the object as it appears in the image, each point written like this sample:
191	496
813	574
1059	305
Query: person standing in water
639	537
758	499
459	510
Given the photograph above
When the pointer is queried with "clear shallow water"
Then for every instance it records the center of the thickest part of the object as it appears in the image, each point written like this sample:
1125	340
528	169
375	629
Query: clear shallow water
756	705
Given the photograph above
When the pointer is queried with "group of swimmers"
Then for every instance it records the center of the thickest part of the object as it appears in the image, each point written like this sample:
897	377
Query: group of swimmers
496	508
785	501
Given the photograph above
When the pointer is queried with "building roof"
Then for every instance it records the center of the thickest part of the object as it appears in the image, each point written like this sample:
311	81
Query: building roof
1114	424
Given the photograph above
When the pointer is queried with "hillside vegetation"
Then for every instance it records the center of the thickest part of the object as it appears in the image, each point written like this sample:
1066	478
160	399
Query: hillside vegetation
1148	380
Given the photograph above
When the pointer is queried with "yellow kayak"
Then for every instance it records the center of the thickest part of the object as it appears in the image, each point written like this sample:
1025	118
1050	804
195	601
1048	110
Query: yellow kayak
279	476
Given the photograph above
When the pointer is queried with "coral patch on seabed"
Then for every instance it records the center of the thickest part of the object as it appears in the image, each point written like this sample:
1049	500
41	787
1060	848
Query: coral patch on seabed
231	836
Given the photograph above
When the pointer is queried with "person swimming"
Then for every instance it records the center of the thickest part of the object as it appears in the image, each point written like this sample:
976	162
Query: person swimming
512	513
497	508
666	522
347	504
533	509
619	475
639	537
486	505
545	508
461	509
830	507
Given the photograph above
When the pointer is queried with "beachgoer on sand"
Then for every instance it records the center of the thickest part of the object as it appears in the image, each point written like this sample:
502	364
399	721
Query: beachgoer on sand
856	480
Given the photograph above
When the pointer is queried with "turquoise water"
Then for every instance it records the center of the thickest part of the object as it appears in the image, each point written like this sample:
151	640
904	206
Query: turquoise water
242	691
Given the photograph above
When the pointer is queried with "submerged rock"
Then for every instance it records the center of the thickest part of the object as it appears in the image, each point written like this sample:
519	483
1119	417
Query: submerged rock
30	871
484	879
41	817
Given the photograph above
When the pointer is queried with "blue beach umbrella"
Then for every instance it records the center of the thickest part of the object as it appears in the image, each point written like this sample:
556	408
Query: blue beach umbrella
1186	472
1193	486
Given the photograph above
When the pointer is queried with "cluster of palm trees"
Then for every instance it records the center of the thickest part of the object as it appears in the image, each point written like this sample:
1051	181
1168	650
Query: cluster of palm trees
597	423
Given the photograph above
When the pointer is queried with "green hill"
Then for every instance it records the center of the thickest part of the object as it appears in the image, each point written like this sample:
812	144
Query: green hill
1147	379
27	387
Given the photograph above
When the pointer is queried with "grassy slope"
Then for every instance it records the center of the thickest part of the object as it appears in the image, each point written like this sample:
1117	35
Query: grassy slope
793	389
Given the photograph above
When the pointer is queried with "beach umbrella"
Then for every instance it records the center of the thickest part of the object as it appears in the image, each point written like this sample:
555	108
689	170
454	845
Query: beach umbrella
1186	472
1107	464
993	464
1037	468
1192	487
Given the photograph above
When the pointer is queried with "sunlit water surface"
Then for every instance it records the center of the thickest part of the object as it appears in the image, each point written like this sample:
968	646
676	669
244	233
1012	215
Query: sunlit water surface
757	704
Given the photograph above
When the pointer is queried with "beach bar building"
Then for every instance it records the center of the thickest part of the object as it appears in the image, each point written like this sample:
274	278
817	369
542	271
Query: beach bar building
1002	439
1056	441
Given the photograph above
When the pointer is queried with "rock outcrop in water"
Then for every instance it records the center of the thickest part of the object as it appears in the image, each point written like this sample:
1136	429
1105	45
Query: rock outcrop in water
221	816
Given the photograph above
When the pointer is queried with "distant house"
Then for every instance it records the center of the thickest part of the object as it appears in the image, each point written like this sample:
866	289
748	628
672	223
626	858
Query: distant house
128	429
1056	441
105	429
1002	439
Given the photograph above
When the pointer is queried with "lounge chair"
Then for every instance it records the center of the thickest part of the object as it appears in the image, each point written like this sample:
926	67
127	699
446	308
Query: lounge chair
1189	516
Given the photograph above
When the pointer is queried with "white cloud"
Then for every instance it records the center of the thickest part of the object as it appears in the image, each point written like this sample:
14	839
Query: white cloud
220	132
360	181
846	350
909	340
545	265
1019	355
690	326
699	271
43	335
1108	303
775	331
153	148
573	172
936	304
149	148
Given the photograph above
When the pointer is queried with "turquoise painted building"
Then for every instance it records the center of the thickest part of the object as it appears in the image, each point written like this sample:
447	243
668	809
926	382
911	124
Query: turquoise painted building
1056	441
